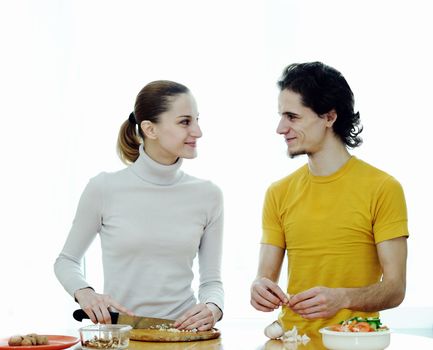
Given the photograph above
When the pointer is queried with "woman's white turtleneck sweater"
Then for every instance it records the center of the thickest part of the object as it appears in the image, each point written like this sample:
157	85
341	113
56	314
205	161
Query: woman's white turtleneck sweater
152	219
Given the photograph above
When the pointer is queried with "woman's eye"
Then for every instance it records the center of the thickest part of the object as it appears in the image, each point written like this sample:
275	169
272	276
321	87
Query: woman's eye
185	122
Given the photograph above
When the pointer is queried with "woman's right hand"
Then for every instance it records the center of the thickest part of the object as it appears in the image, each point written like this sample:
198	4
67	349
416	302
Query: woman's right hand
96	305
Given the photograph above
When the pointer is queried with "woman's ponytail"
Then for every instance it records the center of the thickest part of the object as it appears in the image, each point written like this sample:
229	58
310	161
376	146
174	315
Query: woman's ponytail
128	142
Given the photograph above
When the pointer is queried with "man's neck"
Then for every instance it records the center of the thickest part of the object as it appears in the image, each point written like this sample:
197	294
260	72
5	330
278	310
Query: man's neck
329	159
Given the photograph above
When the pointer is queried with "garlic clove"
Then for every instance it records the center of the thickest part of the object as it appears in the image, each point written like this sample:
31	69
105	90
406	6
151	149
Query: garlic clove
274	330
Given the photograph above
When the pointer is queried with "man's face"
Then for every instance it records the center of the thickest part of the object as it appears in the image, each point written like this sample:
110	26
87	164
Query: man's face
303	130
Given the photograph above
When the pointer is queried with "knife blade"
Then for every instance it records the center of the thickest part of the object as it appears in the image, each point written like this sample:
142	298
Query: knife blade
137	322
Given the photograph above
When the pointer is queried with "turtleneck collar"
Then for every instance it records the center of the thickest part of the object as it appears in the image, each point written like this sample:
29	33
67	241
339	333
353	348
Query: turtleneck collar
155	173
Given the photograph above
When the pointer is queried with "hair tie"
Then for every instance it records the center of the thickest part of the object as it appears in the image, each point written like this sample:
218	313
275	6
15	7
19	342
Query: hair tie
132	119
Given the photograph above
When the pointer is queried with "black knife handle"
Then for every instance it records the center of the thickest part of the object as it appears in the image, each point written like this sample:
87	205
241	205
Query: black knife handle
80	315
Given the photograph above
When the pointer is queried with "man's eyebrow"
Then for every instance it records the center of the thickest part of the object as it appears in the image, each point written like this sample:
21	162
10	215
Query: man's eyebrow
289	114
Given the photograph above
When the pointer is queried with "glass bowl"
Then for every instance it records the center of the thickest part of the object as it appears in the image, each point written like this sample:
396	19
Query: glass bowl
105	336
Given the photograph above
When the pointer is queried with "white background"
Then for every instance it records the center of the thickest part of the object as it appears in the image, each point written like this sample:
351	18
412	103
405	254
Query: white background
69	74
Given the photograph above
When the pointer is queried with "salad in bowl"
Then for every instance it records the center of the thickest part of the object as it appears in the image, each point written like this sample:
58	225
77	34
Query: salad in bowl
357	333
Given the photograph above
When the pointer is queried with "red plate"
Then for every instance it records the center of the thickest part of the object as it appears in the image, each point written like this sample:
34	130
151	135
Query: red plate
55	342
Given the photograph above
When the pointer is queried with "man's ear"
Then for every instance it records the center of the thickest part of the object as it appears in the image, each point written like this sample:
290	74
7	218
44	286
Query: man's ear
148	129
330	118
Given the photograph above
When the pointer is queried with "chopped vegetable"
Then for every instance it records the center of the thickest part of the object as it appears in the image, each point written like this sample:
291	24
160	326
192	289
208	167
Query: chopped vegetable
359	324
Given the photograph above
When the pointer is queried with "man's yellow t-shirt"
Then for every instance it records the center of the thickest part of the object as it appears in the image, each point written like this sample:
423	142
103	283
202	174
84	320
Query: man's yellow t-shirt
330	226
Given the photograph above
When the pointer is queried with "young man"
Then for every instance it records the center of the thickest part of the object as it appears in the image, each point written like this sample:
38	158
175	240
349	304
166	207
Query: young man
342	221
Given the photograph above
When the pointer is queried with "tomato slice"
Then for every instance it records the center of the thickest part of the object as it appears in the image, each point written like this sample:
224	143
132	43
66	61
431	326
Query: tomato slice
362	327
336	328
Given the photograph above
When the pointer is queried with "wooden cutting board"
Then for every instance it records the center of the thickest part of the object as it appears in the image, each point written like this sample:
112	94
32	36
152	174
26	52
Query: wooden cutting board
157	335
212	344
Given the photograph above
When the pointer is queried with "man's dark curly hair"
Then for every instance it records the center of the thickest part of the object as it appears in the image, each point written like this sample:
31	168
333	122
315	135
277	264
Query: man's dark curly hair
323	88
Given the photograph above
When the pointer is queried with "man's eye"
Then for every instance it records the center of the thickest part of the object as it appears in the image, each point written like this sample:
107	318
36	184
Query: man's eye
185	122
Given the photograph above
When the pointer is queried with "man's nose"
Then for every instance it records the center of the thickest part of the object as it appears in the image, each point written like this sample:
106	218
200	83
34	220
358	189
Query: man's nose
283	126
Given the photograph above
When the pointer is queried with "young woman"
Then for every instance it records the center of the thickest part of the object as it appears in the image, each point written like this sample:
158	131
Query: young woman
153	219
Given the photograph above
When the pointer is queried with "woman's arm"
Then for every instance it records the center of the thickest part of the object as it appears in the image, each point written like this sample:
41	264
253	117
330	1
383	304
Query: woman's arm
210	256
67	267
86	224
204	315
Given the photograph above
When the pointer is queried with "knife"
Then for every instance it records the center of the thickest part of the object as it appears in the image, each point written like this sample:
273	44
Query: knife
137	322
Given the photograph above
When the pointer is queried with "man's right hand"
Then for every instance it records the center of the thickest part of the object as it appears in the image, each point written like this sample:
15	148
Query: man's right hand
96	305
267	295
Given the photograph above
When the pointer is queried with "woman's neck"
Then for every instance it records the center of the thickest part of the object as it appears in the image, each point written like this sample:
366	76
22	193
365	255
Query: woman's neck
159	155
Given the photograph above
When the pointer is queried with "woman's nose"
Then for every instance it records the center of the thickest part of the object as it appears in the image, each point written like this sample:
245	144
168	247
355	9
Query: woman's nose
196	131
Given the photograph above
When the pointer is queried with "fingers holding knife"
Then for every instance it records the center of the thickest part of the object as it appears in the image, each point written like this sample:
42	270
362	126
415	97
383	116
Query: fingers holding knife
97	306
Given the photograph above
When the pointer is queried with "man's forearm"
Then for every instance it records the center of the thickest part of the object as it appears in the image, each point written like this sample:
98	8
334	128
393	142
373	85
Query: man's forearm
376	297
325	302
270	262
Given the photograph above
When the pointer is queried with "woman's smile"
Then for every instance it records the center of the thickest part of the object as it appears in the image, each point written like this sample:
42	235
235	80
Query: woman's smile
192	144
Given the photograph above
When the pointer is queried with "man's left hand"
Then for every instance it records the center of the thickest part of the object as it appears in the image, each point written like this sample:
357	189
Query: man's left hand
318	302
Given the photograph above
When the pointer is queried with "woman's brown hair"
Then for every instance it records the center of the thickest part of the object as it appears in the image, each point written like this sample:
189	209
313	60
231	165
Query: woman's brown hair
155	98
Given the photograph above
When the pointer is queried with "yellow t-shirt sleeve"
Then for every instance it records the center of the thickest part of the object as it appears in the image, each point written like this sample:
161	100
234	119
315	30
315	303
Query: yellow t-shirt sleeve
273	231
390	212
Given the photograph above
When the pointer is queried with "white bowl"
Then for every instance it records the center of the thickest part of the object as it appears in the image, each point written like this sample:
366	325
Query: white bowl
355	340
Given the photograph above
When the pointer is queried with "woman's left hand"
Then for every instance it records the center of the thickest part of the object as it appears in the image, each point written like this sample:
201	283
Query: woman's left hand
201	316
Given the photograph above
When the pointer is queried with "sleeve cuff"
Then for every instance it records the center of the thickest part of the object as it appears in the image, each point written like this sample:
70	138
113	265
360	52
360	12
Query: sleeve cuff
81	289
222	313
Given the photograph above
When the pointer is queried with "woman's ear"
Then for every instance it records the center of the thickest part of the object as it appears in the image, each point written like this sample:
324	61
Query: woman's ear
148	129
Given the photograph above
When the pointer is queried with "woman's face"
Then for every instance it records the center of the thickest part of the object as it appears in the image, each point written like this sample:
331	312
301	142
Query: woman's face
177	131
